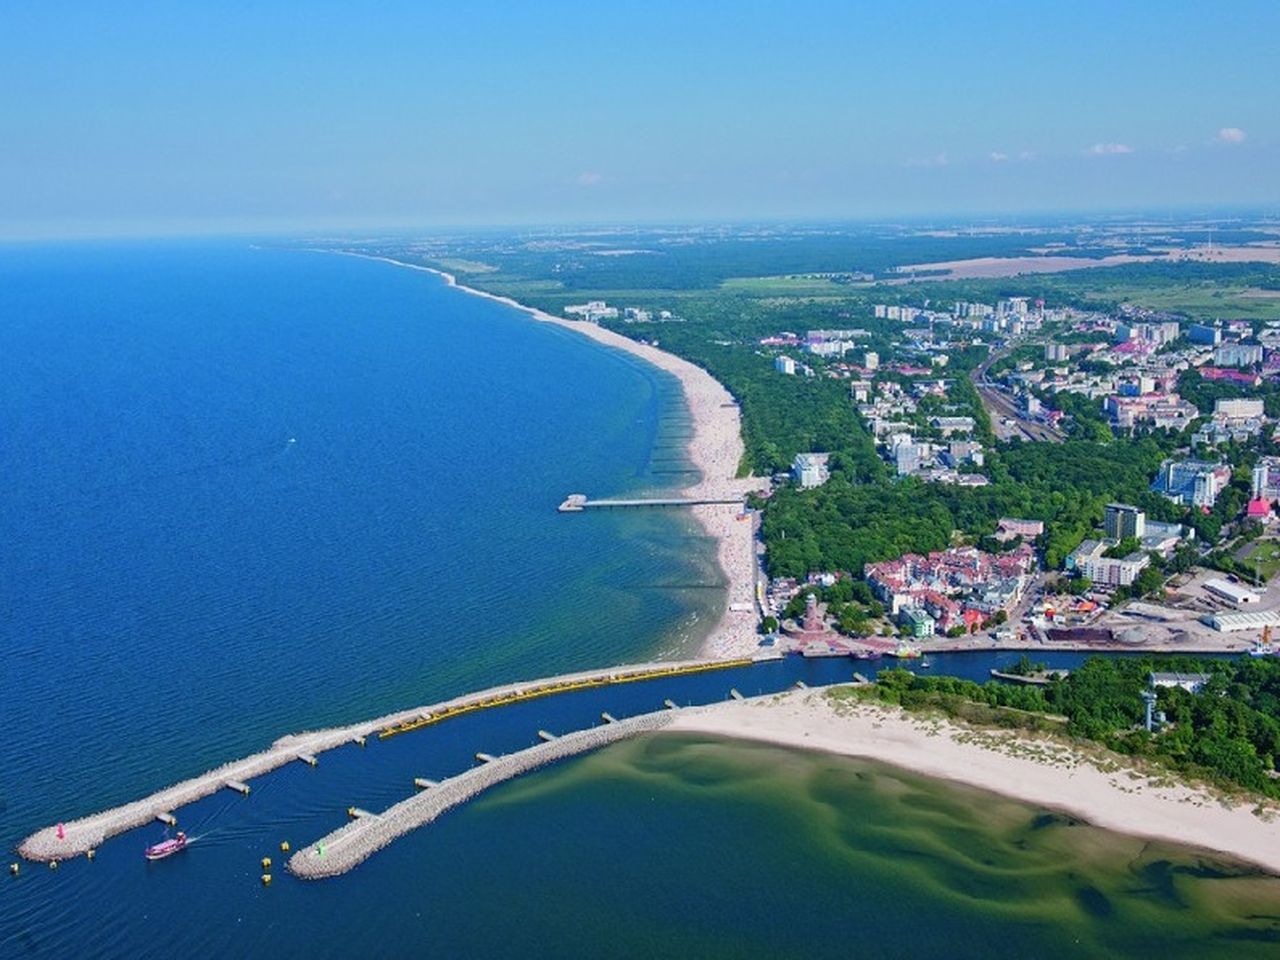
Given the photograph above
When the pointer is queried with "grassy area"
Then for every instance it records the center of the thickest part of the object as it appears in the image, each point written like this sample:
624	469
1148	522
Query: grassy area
1265	555
955	707
1223	299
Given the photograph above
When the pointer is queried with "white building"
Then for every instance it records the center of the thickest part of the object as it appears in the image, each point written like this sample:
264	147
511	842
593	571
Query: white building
1088	560
1237	355
1232	593
785	365
910	457
1237	409
810	469
871	361
592	311
1190	682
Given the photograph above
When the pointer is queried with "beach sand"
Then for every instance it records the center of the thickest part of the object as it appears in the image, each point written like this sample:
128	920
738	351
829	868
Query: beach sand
1086	782
715	448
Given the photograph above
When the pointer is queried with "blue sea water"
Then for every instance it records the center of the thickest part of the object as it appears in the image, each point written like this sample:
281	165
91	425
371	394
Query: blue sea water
251	491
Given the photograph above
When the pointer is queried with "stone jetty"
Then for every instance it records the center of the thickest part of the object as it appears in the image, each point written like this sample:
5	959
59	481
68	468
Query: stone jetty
351	845
77	837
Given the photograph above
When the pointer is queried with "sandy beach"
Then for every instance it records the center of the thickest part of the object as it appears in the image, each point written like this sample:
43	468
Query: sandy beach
715	448
1085	782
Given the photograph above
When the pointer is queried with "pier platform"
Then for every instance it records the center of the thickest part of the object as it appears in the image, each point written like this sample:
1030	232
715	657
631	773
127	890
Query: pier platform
577	502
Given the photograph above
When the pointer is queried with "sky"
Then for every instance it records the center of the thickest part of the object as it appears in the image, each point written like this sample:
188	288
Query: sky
146	117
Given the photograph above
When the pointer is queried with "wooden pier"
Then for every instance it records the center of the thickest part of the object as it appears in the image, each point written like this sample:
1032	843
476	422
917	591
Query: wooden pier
577	502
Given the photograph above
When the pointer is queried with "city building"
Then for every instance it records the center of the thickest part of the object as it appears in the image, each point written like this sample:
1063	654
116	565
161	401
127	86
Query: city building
962	586
950	425
1087	560
592	311
871	360
1205	333
1160	410
909	457
1123	521
1010	527
810	469
917	621
785	365
1056	352
1190	682
1192	482
1239	408
1237	355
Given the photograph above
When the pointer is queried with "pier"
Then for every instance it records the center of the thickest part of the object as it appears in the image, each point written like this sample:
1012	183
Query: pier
77	837
349	846
577	502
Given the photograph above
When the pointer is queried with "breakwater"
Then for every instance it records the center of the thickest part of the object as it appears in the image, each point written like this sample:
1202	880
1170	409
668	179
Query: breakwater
77	837
349	846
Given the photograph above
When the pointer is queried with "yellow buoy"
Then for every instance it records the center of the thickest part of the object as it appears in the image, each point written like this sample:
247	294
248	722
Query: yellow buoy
266	879
90	853
53	864
13	869
266	862
284	846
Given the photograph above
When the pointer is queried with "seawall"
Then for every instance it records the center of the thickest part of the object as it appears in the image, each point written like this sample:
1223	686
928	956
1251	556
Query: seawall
86	833
350	845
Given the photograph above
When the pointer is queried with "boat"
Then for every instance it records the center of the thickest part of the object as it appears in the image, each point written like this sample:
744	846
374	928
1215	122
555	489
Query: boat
907	652
166	848
1265	650
925	664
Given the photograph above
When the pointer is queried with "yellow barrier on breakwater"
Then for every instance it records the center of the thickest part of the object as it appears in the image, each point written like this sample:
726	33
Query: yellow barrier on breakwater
77	837
565	686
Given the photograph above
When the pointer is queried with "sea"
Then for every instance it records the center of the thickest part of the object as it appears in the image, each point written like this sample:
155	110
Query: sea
251	490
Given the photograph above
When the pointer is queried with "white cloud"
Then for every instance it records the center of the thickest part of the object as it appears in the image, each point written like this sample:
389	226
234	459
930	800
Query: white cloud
939	160
1108	149
999	156
1231	135
589	179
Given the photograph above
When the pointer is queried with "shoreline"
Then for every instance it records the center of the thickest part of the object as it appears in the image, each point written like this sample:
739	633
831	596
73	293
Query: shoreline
1090	784
716	449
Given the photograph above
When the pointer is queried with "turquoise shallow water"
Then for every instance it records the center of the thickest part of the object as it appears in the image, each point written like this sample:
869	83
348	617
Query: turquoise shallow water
181	584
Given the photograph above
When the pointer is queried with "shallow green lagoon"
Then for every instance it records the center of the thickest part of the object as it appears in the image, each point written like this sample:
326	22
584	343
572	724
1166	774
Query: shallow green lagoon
673	845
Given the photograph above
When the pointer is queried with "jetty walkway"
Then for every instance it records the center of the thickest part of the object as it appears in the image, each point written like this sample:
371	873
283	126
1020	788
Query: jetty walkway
577	502
74	838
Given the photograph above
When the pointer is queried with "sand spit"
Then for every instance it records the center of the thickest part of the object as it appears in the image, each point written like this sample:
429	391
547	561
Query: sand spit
351	845
715	448
80	836
1090	784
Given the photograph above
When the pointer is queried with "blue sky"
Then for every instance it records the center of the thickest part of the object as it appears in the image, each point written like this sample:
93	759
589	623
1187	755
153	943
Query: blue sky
154	117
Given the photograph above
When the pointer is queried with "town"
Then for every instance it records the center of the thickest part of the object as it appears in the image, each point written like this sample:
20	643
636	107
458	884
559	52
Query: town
940	388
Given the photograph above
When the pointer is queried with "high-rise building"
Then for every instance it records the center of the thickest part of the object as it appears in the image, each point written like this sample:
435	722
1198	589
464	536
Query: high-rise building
1123	521
871	361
